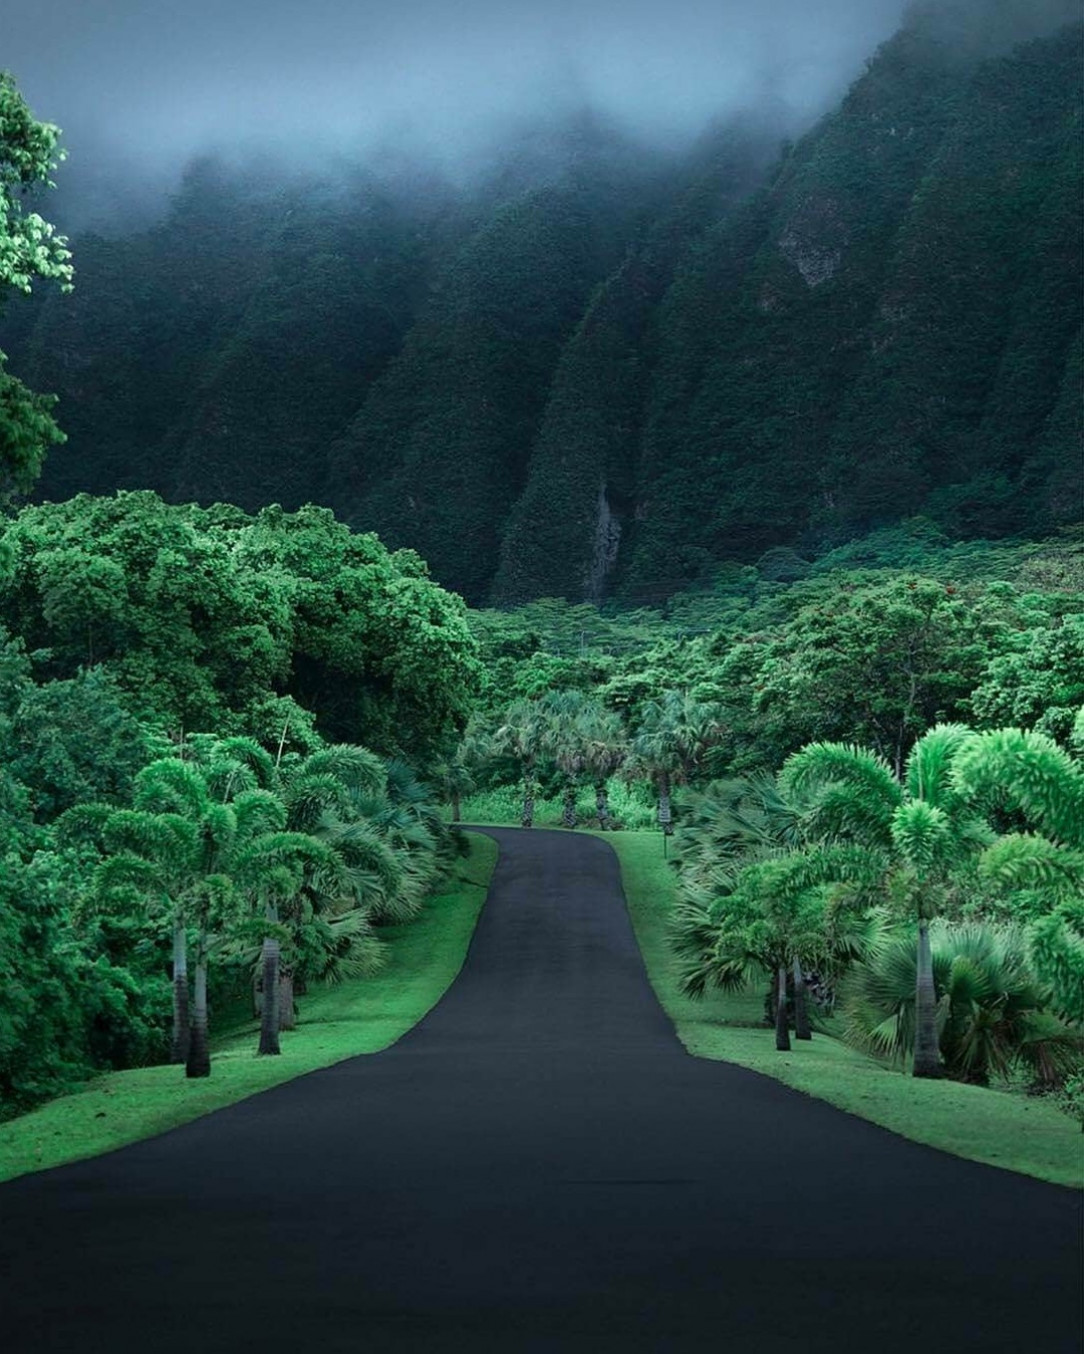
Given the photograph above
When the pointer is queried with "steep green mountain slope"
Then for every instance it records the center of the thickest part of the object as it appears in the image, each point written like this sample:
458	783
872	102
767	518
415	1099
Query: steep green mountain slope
594	373
563	535
442	445
844	349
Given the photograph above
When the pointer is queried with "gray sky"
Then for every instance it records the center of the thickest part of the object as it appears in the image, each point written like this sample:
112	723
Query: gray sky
145	83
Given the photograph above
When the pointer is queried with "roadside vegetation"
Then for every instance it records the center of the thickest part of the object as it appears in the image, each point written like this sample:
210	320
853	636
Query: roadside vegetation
854	847
355	1016
1000	1124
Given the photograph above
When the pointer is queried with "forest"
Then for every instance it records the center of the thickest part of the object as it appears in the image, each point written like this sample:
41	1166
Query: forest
595	371
733	499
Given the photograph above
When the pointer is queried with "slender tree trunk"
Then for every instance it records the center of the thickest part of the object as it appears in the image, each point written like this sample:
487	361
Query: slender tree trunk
927	1052
802	1028
569	814
528	801
664	804
287	1020
199	1050
182	1031
782	1034
269	1017
457	801
602	805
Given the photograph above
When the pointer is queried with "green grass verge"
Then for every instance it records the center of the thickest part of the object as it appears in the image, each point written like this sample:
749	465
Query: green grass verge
998	1127
340	1022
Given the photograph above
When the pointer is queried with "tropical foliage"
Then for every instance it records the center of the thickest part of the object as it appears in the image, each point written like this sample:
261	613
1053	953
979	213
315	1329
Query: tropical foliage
946	936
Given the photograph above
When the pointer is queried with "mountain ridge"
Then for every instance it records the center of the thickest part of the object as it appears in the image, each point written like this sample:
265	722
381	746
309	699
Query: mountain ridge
601	369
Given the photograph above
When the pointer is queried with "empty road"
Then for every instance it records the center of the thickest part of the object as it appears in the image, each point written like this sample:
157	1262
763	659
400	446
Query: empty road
537	1166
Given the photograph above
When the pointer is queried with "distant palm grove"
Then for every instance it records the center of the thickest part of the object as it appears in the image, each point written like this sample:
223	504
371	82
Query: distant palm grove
734	497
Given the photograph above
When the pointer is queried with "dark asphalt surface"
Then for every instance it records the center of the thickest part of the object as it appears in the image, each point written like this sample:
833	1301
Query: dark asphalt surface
537	1166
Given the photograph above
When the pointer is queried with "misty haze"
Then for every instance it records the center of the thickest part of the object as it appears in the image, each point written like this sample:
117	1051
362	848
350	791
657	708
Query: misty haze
541	676
140	88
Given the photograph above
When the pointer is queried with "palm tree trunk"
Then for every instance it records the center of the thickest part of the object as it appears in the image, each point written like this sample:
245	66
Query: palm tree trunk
528	801
287	1020
199	1050
269	1017
782	1034
927	1052
602	805
457	803
569	815
182	1032
802	1028
664	803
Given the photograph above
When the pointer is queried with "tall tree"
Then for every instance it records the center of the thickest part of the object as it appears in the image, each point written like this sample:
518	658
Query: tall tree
521	734
937	826
675	733
29	248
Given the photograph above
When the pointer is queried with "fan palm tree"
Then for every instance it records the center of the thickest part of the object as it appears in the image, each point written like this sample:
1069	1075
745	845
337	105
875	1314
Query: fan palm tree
454	780
776	910
567	716
605	748
374	819
991	1008
729	825
675	733
454	776
520	733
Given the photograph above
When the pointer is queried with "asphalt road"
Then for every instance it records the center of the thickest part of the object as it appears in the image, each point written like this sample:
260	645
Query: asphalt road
537	1166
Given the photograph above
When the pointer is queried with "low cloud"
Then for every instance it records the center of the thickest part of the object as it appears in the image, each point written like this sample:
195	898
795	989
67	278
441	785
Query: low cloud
139	86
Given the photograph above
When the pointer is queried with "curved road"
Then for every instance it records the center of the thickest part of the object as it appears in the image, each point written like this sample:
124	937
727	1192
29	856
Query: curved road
537	1166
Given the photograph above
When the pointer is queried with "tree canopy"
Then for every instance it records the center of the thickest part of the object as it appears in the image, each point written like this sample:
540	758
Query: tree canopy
30	249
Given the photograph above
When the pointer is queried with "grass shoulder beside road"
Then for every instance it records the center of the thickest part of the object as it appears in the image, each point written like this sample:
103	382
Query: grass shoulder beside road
363	1016
998	1127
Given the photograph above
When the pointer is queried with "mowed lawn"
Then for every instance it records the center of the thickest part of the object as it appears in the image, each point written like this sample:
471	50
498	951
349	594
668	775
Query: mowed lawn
363	1016
999	1127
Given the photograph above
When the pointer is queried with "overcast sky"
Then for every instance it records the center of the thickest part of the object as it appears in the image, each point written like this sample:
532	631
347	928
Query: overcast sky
148	82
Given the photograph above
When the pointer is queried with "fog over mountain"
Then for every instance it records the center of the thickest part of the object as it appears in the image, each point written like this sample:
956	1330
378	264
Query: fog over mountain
139	86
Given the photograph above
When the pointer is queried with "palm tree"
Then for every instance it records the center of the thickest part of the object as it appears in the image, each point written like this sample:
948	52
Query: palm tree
454	775
729	825
276	866
778	911
208	857
935	826
605	750
925	827
383	837
675	733
521	734
454	780
992	1007
567	715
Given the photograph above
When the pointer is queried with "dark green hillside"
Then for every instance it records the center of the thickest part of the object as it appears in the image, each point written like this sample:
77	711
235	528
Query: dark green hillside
563	535
443	443
978	309
332	304
596	372
855	318
126	351
216	355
